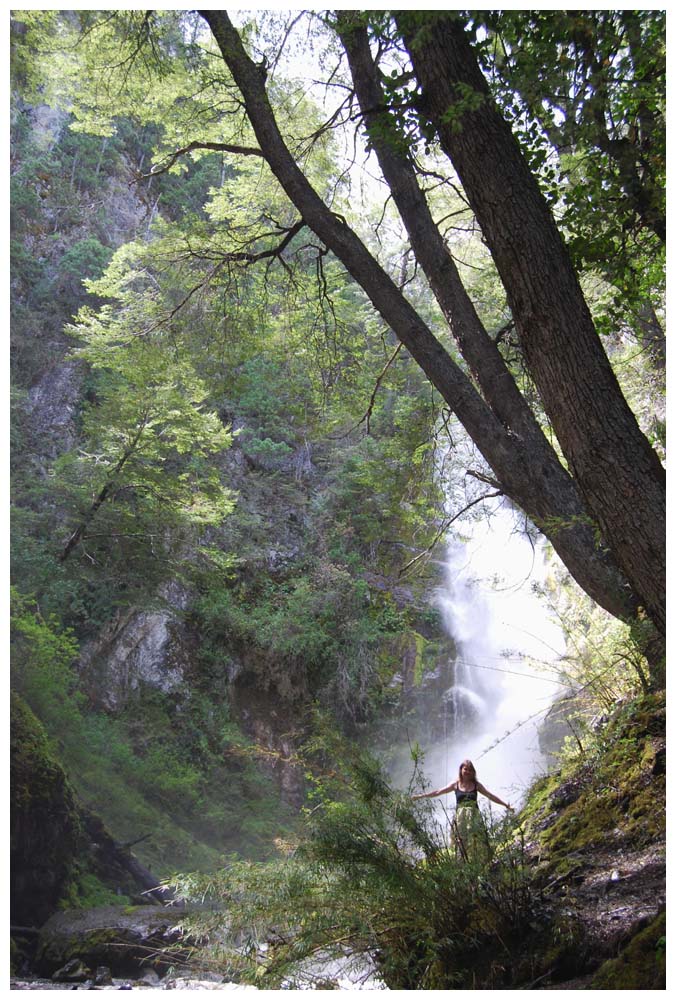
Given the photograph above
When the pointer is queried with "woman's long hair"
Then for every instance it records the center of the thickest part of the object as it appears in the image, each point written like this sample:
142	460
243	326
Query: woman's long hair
467	763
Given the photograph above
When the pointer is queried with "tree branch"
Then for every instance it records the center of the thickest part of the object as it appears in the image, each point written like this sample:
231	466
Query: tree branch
445	526
217	147
519	461
236	256
367	415
483	478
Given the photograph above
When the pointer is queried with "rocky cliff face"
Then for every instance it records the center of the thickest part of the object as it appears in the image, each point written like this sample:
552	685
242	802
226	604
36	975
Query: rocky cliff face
60	852
139	648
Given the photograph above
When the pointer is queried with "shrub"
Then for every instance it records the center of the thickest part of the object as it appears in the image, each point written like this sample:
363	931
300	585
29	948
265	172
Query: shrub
372	877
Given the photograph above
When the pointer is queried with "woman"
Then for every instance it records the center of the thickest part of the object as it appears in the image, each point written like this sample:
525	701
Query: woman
469	833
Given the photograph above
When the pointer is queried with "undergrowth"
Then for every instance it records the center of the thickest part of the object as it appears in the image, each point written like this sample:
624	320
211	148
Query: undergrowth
373	882
157	769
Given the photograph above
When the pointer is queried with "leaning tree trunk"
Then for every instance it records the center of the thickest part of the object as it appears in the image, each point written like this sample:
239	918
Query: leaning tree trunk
555	495
516	467
106	491
618	473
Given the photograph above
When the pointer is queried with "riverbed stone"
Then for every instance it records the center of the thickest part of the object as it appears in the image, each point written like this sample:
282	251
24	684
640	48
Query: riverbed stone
126	939
74	971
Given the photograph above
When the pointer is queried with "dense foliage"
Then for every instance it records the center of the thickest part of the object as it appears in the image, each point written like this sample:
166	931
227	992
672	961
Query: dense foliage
184	419
587	93
182	776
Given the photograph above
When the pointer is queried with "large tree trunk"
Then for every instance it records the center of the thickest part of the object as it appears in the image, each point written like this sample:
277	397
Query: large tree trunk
555	494
617	471
516	468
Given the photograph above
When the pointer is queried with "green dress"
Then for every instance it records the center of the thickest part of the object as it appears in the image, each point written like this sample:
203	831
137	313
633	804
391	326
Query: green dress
470	837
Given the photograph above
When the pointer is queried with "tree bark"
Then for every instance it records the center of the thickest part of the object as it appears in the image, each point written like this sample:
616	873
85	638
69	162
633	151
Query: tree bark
559	517
617	471
553	491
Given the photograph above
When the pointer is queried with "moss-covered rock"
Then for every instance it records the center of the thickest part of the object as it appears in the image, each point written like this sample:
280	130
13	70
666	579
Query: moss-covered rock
641	965
45	830
596	830
615	786
124	938
62	855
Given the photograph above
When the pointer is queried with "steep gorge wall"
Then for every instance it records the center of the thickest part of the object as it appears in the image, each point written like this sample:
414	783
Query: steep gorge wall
163	673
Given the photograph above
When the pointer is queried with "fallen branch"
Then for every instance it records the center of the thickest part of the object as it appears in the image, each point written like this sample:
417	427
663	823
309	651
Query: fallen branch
133	843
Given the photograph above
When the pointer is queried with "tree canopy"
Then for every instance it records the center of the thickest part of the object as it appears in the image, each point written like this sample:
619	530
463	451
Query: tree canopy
544	133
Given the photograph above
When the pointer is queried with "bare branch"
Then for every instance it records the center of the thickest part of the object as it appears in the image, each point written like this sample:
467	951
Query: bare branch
287	34
217	147
241	257
369	411
367	415
483	478
445	526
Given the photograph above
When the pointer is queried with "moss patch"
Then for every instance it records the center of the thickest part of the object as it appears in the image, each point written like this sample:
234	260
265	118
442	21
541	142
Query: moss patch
418	667
642	964
46	835
88	890
614	786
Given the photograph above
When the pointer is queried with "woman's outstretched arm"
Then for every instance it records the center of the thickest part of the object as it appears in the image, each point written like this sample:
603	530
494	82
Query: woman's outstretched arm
493	798
439	791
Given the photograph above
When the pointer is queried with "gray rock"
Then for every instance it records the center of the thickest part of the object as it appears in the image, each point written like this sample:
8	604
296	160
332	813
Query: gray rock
51	404
122	938
136	648
150	977
566	793
74	971
103	976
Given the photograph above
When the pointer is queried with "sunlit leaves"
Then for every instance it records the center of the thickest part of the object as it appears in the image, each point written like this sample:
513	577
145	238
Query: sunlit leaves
148	435
585	93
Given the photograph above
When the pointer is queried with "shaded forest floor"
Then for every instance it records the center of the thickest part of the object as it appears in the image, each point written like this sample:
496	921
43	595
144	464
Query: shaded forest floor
594	853
615	900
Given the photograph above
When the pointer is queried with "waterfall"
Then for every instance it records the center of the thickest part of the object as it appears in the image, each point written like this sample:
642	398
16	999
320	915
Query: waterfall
498	694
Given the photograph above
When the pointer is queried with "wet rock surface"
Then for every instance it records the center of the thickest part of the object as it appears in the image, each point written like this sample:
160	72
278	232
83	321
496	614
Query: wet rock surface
183	981
123	939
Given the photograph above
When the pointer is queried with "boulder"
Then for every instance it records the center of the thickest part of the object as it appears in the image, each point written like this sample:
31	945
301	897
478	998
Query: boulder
55	841
73	971
139	648
125	939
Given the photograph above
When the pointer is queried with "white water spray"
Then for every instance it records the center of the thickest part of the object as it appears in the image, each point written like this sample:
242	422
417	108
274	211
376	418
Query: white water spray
499	696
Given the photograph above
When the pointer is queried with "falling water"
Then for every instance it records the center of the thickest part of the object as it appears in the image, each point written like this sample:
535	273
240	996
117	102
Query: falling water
503	679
